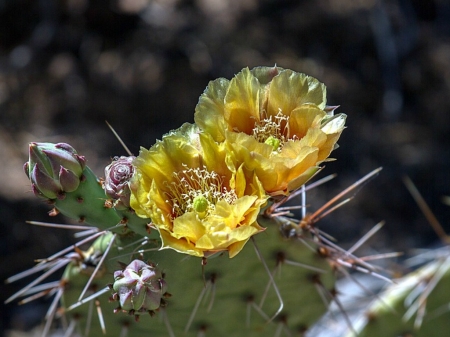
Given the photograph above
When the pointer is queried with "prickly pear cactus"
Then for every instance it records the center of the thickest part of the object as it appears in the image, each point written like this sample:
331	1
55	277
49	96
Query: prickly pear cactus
193	236
416	305
230	297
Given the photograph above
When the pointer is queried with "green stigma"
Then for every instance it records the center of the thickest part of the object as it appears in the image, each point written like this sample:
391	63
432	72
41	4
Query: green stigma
200	204
274	142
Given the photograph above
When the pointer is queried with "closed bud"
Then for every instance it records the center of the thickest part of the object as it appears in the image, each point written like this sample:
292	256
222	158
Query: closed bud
117	178
54	169
139	287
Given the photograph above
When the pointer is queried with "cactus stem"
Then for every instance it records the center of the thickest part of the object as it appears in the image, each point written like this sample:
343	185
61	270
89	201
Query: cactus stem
97	268
419	304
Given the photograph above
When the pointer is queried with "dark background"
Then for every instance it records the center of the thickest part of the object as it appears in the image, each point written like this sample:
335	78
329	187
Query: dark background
67	66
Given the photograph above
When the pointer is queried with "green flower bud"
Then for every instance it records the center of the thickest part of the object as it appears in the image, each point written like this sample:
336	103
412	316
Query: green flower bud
54	169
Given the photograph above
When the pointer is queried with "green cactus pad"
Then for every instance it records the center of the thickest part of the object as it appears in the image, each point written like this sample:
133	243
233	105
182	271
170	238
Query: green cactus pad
232	289
388	316
87	204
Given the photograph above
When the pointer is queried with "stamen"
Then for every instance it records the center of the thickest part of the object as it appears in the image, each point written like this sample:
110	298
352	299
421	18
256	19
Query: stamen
273	130
197	189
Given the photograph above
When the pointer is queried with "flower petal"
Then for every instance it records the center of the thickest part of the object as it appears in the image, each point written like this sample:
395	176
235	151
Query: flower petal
242	102
289	90
210	107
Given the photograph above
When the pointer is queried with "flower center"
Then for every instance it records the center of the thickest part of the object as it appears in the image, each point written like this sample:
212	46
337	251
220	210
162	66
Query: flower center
273	130
198	190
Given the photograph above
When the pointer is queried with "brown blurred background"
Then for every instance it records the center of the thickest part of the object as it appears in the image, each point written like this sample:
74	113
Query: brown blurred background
67	66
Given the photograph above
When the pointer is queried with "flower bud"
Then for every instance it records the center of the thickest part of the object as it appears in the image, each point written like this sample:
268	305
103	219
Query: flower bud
54	169
139	287
117	177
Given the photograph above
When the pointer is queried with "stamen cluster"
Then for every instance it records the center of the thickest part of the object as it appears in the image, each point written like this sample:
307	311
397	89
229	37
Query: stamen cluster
197	189
273	130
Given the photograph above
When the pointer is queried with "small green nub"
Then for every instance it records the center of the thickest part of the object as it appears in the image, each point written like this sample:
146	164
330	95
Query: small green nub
274	142
200	204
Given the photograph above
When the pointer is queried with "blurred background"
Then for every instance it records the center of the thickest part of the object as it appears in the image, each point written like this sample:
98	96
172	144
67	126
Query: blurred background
67	66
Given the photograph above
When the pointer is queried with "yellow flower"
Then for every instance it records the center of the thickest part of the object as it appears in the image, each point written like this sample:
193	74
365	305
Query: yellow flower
199	201
275	121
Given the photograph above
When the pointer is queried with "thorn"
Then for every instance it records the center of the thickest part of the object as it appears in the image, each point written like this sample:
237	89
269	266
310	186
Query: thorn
88	299
89	318
197	304
119	139
275	287
57	265
344	192
100	317
367	236
167	323
54	225
429	215
97	268
204	263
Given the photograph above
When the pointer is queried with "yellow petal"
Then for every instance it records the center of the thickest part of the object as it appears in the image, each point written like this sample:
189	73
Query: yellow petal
303	118
179	245
188	226
300	180
289	90
266	74
242	102
210	107
243	234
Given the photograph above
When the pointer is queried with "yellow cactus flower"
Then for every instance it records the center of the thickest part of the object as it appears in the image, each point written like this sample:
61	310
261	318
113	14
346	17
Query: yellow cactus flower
198	200
273	120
